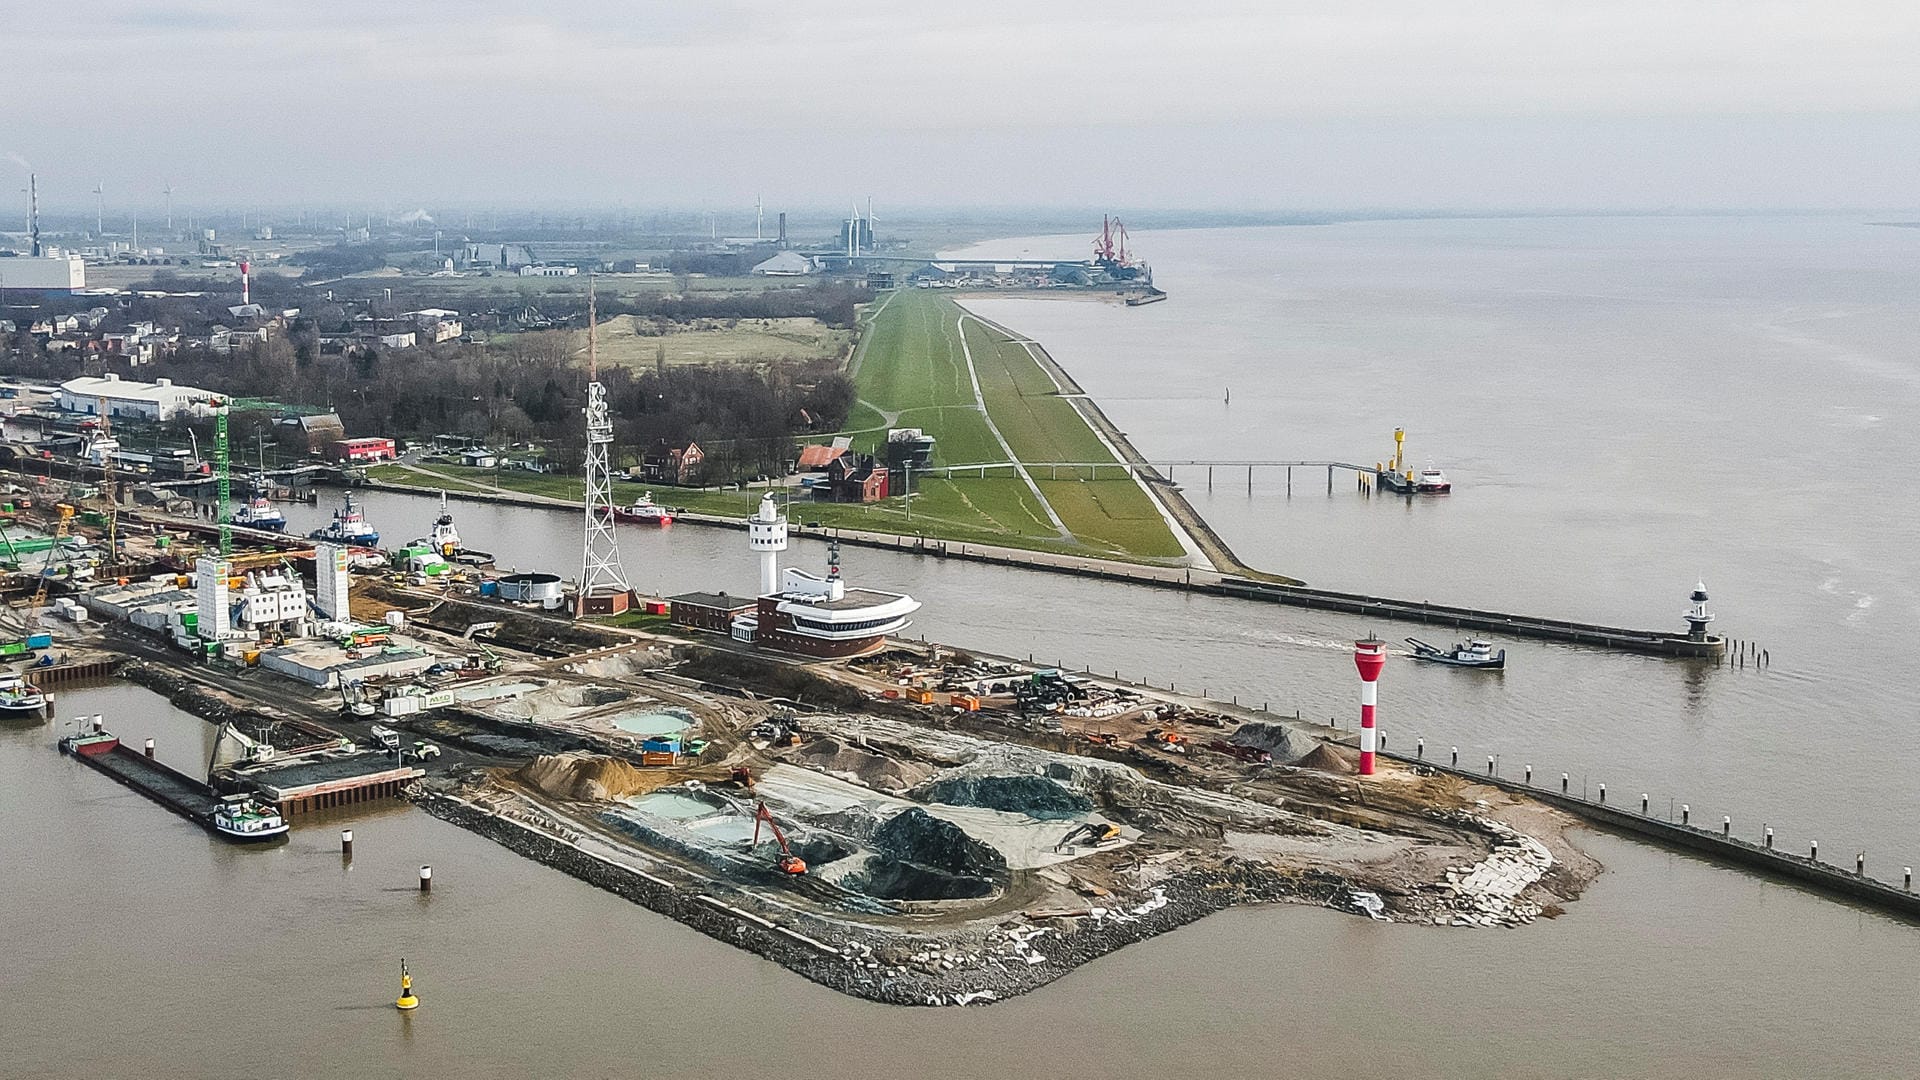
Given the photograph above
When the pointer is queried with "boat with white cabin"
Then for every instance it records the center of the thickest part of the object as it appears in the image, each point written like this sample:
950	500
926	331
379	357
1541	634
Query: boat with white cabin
644	512
1431	481
1475	653
348	526
260	513
245	819
18	697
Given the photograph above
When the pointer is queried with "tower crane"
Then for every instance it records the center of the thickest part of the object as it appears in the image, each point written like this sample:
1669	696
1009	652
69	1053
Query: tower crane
107	484
223	471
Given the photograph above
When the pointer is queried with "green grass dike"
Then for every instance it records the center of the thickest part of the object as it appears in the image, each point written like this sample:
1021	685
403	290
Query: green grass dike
911	367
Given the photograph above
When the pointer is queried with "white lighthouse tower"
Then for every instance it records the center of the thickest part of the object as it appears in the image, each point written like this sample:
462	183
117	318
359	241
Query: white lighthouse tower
1698	616
767	532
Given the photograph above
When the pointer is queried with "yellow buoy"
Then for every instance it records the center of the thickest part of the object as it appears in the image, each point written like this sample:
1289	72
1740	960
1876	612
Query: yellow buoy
406	1000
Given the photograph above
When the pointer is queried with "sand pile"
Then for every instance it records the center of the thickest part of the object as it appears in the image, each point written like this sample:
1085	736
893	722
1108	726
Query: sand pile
586	777
1035	796
861	766
1331	759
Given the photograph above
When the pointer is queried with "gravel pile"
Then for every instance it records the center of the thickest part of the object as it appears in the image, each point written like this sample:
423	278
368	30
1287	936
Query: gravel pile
1034	796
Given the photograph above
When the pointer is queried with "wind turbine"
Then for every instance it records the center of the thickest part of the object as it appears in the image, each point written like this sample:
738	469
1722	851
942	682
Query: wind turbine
853	229
870	220
759	215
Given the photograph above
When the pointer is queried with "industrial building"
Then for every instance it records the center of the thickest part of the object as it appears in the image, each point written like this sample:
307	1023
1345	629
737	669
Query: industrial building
362	451
51	274
321	663
117	397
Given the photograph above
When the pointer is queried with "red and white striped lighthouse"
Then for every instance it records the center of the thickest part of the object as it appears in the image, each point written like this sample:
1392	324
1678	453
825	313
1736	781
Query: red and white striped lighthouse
246	282
1369	656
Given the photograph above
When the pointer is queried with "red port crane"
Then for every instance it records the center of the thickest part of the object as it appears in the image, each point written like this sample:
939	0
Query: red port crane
789	863
1110	247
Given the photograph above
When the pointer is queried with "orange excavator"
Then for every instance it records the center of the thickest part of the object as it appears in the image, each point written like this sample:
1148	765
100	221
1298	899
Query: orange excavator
789	863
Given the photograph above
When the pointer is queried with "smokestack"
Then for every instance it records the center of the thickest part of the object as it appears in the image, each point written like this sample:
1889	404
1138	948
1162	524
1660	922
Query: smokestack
246	281
33	211
783	228
1369	656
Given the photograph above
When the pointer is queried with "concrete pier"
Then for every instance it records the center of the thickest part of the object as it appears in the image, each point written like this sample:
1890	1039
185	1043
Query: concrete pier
1850	883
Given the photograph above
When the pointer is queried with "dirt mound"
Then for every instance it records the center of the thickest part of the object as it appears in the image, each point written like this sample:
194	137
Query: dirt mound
1035	796
918	837
586	777
1272	738
921	857
877	771
1331	759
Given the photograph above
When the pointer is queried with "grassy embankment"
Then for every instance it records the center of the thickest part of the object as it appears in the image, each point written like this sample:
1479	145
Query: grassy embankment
911	370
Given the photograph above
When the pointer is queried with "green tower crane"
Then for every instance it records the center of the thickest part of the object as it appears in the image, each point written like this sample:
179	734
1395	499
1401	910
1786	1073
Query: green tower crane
224	474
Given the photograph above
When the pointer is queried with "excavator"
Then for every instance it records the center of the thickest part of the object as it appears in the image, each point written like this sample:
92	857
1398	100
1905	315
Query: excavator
788	862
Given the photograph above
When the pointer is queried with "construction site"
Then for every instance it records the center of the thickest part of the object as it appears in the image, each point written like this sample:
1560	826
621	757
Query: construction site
952	846
901	821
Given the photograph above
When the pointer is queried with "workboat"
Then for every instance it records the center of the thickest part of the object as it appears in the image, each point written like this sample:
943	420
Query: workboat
260	513
444	539
1473	654
348	527
644	512
244	819
1431	481
19	697
90	743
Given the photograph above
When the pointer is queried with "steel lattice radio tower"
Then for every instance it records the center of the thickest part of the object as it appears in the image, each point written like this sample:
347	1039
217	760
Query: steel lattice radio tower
600	553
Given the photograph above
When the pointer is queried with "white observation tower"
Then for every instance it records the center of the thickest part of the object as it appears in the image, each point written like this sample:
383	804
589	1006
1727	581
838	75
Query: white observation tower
767	532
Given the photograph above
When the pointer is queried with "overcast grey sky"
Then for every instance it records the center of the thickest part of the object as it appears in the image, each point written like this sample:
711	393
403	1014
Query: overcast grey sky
1263	106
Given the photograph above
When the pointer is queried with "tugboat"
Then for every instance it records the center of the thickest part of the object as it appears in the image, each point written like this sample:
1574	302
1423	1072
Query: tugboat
444	539
260	513
245	820
348	527
1474	654
20	698
644	512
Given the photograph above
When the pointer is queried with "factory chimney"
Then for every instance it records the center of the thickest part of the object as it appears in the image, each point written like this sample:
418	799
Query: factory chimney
1370	656
246	282
33	211
783	228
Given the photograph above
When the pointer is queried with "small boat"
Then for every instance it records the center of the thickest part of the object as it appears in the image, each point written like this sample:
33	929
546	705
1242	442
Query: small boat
244	819
1474	654
260	513
1431	481
19	697
349	526
1151	296
644	512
